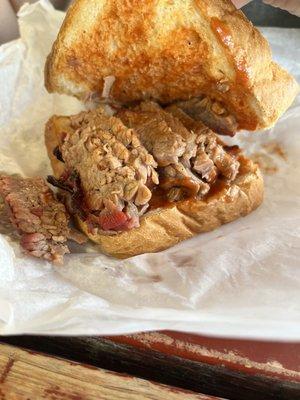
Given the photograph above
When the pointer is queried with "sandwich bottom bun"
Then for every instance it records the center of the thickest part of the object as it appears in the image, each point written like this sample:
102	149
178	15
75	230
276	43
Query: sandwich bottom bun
164	227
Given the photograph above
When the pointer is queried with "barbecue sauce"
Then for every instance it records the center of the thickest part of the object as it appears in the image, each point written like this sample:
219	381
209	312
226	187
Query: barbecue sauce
160	199
216	188
160	193
223	33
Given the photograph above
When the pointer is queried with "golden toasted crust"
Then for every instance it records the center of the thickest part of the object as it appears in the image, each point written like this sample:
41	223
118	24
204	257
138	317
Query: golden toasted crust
168	226
165	227
170	50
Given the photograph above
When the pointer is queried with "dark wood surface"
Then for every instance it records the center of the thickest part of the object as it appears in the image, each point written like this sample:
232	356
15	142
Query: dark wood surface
165	365
272	359
263	15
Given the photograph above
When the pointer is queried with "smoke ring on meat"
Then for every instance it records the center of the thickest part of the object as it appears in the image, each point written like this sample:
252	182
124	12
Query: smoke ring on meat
114	163
39	218
114	172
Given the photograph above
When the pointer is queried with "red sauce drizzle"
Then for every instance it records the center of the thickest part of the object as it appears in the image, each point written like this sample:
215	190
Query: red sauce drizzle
219	186
223	33
159	199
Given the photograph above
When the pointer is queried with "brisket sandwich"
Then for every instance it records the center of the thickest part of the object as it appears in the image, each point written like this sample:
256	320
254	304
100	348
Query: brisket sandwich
153	171
147	178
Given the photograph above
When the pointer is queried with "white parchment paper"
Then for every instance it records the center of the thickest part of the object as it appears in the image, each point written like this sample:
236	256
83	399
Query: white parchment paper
242	280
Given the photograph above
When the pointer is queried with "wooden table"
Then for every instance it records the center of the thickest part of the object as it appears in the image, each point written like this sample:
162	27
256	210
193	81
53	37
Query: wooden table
231	369
25	375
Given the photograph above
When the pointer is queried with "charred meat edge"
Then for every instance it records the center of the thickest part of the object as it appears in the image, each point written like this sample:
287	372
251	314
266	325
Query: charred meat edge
189	158
40	220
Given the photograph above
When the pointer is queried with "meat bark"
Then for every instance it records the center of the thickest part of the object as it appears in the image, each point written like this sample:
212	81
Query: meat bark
114	163
190	156
39	218
213	157
212	113
114	172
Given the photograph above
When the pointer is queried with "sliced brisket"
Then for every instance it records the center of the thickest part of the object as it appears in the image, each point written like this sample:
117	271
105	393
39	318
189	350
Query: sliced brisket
39	218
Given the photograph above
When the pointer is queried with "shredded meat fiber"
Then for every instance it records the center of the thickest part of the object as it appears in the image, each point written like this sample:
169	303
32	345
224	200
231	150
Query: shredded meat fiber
114	169
211	113
114	163
190	156
39	218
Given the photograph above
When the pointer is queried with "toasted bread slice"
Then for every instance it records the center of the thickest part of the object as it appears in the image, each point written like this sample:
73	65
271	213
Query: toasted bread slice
164	227
169	51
